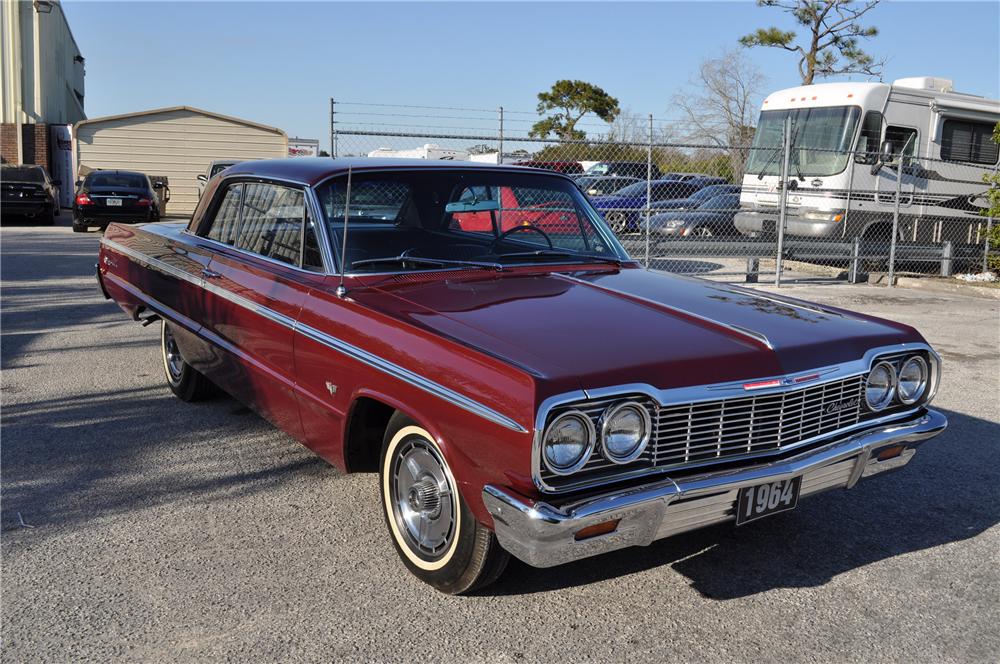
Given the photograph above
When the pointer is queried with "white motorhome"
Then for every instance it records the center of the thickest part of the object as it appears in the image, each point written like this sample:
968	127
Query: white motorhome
426	151
848	142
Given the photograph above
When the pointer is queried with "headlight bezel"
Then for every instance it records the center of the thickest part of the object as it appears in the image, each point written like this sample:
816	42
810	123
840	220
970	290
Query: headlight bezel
923	385
588	450
606	419
890	394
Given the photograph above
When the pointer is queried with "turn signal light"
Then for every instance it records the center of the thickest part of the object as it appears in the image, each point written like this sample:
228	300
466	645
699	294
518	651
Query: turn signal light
891	452
83	199
596	529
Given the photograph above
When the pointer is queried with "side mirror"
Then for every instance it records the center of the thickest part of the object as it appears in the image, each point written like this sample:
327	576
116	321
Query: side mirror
157	185
79	183
202	177
886	156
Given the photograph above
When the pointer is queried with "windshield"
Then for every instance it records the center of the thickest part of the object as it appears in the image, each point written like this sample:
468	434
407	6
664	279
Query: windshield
821	139
723	202
412	219
599	169
22	174
710	192
126	180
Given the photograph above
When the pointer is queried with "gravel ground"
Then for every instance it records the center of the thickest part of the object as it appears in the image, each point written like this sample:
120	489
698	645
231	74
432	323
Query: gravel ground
137	527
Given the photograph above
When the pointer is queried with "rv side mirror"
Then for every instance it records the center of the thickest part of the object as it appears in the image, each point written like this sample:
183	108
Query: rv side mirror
202	178
887	155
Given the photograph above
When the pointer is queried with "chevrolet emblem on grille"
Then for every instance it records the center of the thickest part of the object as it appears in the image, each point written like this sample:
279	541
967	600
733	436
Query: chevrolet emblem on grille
847	404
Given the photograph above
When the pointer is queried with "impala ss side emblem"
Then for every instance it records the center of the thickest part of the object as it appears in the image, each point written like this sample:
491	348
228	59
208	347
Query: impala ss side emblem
837	406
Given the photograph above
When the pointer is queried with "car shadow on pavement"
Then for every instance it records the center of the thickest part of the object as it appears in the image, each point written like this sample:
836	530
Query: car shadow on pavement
950	492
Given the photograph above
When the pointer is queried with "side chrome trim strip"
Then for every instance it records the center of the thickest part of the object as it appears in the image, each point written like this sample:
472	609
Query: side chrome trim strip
374	361
742	331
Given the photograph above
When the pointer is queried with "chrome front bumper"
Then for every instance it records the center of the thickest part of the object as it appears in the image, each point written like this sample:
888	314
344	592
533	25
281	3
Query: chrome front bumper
543	535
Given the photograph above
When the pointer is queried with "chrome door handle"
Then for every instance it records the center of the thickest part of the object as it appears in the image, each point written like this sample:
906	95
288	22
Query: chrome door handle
209	274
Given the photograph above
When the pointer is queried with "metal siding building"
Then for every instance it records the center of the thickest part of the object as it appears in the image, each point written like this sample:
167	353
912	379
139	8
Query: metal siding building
177	143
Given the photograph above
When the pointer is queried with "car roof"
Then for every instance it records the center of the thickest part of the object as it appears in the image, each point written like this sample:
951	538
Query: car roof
312	170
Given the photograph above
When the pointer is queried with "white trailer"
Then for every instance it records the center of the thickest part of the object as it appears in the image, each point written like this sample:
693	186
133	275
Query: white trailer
426	151
841	179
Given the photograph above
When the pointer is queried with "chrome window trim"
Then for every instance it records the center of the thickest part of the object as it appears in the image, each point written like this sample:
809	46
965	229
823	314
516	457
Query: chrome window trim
600	225
713	392
370	359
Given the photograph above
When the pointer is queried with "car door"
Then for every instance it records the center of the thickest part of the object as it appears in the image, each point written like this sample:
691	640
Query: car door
256	283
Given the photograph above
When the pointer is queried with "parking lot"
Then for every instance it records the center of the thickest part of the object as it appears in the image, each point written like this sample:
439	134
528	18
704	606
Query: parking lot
139	527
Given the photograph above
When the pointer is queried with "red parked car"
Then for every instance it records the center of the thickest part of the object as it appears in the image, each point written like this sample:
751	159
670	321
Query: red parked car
477	336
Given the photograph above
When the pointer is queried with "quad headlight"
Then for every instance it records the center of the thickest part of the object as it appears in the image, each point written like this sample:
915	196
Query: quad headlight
881	386
912	382
625	431
568	442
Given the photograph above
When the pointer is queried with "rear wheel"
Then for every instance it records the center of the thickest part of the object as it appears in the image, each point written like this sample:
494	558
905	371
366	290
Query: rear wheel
79	228
183	379
433	530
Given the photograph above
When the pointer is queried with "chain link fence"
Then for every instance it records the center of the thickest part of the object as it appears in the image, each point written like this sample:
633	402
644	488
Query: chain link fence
792	206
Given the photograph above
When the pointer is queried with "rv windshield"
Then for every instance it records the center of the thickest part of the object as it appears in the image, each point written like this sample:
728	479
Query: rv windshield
821	140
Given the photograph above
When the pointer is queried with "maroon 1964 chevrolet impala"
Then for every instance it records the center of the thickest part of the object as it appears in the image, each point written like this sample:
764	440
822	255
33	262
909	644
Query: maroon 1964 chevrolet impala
478	336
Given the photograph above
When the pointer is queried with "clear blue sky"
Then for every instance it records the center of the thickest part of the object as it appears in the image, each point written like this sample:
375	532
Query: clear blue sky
279	63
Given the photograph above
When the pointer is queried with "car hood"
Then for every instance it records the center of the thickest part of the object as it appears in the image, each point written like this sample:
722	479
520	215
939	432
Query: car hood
675	204
601	328
688	216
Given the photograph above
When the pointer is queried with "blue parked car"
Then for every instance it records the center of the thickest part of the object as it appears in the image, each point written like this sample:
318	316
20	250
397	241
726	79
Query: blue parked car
623	210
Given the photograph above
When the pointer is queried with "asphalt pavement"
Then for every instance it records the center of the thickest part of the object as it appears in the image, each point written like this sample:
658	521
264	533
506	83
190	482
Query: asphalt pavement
136	527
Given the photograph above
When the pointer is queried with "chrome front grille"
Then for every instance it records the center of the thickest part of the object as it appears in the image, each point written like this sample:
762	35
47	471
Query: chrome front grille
716	431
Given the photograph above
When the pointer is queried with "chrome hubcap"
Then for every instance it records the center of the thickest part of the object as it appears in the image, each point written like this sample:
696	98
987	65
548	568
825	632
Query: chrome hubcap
172	355
423	501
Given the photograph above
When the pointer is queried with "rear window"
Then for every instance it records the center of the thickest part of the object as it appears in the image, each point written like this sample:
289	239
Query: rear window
23	174
130	180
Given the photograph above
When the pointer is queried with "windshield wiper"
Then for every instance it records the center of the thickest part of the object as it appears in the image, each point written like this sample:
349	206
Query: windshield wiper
440	262
770	160
561	254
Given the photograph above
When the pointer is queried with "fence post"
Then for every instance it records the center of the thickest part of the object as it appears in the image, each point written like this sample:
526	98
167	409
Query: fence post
787	149
852	275
946	254
333	131
895	222
500	148
989	226
649	183
753	268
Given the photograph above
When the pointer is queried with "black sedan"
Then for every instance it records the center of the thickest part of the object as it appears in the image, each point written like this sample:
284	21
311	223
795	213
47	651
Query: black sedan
122	196
695	199
28	192
713	218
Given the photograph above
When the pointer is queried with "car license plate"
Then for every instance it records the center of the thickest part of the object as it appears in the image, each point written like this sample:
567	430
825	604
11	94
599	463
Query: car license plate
114	202
765	499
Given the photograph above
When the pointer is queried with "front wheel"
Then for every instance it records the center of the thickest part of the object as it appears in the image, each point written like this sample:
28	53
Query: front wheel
433	530
183	379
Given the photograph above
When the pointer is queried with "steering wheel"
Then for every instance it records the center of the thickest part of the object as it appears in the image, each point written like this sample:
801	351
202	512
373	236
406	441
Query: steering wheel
518	229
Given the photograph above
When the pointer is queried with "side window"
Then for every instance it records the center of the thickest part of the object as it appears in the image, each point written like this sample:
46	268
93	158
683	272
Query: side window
963	140
225	226
869	138
272	222
903	139
312	257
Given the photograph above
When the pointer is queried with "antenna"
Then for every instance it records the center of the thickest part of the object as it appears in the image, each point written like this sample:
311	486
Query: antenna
341	290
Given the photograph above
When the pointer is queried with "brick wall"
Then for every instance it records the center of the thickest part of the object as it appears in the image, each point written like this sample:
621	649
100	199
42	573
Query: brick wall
34	147
8	143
